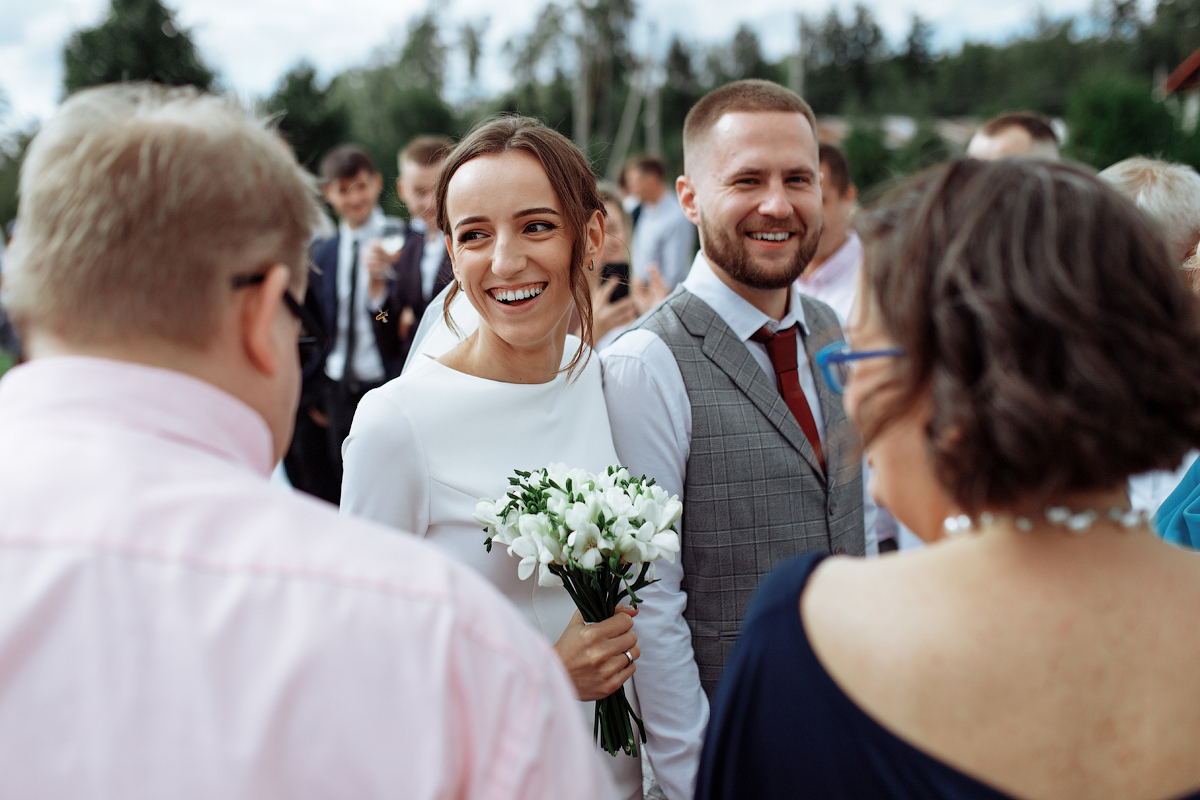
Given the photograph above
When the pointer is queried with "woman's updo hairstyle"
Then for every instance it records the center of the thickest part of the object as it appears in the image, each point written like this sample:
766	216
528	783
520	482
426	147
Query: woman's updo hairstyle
1041	311
569	175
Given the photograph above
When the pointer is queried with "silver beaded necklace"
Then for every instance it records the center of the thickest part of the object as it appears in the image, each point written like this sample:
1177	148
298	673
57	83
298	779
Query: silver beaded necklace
1073	521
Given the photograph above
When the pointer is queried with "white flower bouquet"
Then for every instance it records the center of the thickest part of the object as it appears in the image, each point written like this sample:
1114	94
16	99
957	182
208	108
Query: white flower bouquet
598	536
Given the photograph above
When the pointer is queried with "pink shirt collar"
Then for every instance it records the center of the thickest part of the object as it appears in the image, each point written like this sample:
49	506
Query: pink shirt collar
160	402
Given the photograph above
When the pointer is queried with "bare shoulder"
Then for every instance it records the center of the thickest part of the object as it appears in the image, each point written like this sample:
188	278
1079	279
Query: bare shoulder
861	615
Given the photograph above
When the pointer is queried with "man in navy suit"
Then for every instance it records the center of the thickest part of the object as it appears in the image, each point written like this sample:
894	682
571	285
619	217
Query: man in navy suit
346	293
422	268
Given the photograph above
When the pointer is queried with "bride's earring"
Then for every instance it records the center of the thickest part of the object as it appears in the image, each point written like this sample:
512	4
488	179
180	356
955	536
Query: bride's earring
592	266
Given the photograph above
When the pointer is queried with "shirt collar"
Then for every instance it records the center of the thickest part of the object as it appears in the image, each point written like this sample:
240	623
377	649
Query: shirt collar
161	402
741	317
844	260
366	231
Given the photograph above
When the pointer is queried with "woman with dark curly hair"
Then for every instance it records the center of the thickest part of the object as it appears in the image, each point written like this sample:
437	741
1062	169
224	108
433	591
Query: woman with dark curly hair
1026	344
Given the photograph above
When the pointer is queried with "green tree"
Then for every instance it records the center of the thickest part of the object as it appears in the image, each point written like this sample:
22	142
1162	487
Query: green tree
310	120
864	45
917	58
138	41
12	153
422	62
1110	119
871	162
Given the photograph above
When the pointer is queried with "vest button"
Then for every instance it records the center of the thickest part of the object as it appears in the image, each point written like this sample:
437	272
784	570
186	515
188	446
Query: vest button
839	551
832	508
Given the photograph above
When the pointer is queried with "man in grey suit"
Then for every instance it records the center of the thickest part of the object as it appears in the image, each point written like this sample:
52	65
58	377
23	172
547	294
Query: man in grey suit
714	394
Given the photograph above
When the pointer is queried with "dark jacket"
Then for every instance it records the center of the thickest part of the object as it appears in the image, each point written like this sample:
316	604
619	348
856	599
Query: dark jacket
406	293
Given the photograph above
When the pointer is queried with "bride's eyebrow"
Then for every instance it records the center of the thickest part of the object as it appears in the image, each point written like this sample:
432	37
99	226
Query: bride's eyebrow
530	212
469	221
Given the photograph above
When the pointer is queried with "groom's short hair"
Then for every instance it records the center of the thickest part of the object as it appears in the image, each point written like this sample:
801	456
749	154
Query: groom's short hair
139	203
748	96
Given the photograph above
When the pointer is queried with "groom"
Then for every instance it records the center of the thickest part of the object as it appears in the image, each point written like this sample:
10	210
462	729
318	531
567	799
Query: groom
714	394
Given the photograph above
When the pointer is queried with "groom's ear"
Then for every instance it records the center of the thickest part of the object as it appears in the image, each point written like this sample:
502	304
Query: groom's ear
685	190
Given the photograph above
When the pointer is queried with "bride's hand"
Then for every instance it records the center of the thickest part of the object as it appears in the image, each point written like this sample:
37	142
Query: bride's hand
594	655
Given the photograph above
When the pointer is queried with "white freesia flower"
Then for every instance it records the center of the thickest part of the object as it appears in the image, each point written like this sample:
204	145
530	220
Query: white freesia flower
527	550
557	503
671	512
582	514
618	502
666	545
591	559
601	534
487	513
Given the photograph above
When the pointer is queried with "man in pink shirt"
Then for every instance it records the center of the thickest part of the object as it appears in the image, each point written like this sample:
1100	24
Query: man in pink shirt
171	625
832	275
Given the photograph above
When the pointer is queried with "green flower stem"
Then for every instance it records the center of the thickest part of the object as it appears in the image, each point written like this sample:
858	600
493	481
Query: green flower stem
596	594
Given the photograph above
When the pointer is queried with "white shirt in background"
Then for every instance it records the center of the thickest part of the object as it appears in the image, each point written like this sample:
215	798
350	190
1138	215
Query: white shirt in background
835	283
432	257
368	364
663	236
1148	490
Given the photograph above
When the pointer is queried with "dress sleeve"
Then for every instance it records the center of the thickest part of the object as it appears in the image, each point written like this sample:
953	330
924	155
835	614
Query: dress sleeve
385	476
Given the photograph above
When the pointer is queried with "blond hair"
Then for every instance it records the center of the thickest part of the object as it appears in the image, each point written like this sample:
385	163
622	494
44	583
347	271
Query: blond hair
138	203
1167	193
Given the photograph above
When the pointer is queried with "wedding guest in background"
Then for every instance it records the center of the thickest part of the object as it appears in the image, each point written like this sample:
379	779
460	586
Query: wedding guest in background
171	625
613	306
1007	384
422	267
833	278
832	275
714	395
346	294
1167	193
1170	195
524	225
1015	135
629	201
663	236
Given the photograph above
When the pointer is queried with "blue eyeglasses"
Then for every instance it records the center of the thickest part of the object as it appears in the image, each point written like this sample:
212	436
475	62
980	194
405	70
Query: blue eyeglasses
835	360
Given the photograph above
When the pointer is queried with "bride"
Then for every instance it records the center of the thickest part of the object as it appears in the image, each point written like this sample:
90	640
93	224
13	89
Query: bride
523	224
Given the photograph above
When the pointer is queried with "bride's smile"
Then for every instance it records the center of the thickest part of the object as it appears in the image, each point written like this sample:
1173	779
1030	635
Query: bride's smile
516	295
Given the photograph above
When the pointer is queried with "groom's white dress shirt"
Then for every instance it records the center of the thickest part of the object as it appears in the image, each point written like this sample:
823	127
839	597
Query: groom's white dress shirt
172	625
651	420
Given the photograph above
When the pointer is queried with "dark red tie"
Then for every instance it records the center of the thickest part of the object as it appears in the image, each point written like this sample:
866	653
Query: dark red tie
781	348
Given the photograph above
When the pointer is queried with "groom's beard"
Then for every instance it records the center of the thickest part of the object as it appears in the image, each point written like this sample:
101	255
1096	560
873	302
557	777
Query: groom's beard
732	254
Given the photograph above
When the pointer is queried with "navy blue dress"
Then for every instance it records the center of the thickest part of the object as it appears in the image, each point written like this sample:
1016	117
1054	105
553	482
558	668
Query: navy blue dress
782	728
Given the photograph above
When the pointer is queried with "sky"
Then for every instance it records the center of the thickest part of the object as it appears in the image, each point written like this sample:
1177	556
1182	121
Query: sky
251	43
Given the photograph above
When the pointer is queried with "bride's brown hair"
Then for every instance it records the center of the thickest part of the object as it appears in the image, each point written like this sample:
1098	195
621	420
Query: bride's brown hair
569	175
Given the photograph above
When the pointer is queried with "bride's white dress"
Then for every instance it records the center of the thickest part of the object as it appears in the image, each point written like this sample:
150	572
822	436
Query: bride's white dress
427	446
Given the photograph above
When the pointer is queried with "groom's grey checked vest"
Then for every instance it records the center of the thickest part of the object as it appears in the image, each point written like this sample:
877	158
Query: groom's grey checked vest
753	495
